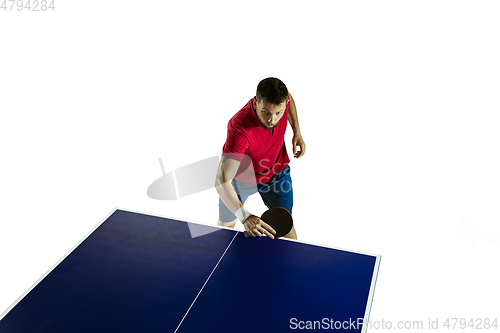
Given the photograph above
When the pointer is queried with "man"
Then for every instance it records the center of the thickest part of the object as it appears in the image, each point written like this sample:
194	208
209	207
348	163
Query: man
255	142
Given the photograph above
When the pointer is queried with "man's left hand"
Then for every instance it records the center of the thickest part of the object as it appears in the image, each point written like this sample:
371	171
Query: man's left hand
298	141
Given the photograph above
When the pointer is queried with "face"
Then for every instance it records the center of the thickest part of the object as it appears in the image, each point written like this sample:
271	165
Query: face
269	114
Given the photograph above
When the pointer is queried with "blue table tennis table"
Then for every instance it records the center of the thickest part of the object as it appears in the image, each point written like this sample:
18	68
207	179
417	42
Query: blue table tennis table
141	273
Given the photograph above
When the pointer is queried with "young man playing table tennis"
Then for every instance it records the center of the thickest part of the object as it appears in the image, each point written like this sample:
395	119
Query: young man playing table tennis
257	133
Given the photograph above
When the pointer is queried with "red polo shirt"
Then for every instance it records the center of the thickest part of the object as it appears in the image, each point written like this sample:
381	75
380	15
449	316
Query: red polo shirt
265	148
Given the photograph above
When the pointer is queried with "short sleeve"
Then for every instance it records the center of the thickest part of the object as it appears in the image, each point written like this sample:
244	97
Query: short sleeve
236	145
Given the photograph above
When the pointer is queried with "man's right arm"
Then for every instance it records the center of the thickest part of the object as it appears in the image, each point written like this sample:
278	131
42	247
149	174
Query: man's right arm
223	184
225	174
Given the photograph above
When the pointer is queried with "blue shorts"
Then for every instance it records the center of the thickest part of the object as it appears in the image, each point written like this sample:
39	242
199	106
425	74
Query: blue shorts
277	192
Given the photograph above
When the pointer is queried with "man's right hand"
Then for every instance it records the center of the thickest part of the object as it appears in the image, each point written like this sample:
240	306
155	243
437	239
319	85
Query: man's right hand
256	227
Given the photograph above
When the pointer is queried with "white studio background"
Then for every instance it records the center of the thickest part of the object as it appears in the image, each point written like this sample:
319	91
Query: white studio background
397	102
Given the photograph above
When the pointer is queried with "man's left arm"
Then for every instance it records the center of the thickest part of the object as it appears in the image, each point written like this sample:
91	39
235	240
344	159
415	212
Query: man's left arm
297	136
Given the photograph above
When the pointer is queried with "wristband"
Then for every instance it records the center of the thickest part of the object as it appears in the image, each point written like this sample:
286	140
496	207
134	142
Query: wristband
242	214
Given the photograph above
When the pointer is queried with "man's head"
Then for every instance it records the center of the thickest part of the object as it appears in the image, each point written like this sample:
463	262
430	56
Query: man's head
270	102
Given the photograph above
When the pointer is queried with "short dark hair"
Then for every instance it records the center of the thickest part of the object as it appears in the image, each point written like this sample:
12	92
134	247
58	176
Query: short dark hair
273	90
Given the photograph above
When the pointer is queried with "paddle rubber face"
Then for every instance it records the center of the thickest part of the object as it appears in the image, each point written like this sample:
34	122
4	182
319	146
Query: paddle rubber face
279	219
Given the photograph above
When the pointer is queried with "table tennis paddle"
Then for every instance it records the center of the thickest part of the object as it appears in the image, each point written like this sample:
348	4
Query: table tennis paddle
279	219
